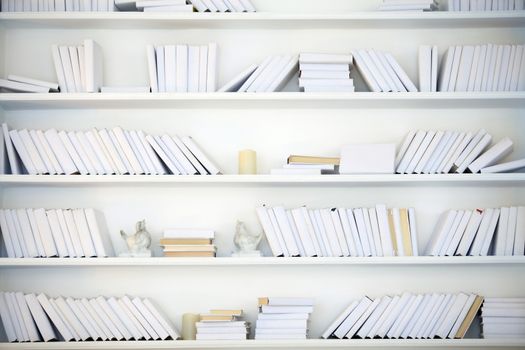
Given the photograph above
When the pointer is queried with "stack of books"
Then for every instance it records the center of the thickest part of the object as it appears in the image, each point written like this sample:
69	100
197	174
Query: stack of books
381	72
271	75
188	243
163	6
32	233
15	83
414	316
223	5
484	5
78	68
222	325
283	318
35	318
339	231
483	68
182	68
503	318
308	165
442	152
493	231
103	152
58	5
320	72
408	5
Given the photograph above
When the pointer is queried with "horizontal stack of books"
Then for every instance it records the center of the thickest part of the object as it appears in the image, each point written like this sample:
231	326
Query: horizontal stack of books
182	68
442	152
78	68
381	72
269	76
493	231
339	231
503	318
486	67
103	152
15	83
222	325
33	233
223	5
320	72
308	165
408	5
415	316
283	318
484	5
58	5
188	243
163	6
35	318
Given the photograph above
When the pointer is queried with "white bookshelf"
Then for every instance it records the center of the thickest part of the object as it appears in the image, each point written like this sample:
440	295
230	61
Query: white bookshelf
275	125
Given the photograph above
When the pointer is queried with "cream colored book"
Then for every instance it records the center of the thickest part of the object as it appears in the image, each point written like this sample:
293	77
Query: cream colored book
189	248
313	160
237	313
189	254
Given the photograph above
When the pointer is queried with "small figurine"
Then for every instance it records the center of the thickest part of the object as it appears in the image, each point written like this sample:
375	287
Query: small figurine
138	243
245	241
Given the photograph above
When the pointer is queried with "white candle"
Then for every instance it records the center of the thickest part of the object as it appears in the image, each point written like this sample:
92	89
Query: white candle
189	331
247	162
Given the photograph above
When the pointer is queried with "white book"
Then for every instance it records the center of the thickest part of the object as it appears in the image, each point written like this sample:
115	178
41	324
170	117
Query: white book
211	73
97	322
470	231
181	68
68	68
390	71
108	322
15	163
453	314
461	316
348	232
147	329
361	229
199	5
425	68
319	74
61	152
476	151
324	67
38	314
489	64
256	74
200	336
140	150
128	151
235	84
501	235
237	5
220	5
59	312
505	167
329	84
479	238
469	147
190	157
140	4
102	246
384	230
55	317
374	226
174	334
352	318
85	152
124	318
47	155
152	68
317	232
100	152
497	52
29	214
378	64
159	168
493	155
304	232
151	319
295	232
505	62
203	159
495	73
93	63
286	231
383	318
283	316
44	84
81	317
280	324
474	68
59	68
115	320
12	220
162	154
160	70
30	241
269	69
366	73
440	232
455	68
57	233
421	152
21	87
174	161
441	152
417	316
382	305
436	302
278	82
75	63
337	226
248	6
511	231
51	247
424	159
393	315
203	68
519	236
89	317
33	152
325	58
22	152
179	155
480	70
134	147
323	233
401	74
72	319
439	316
120	152
458	152
374	70
68	239
27	319
193	68
467	56
8	237
115	155
411	151
405	317
517	81
17	240
457	229
413	231
211	7
14	310
404	147
446	69
447	162
73	231
84	233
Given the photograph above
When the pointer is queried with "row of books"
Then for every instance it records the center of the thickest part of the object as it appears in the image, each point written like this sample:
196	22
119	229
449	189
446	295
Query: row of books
381	72
78	68
188	243
15	83
442	152
269	76
33	233
103	152
409	5
283	318
223	5
35	318
414	316
503	318
485	5
182	68
222	325
478	68
339	231
58	5
493	231
325	72
163	6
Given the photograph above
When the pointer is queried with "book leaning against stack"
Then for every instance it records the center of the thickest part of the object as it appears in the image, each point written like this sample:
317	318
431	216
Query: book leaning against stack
336	232
39	318
283	318
46	233
102	152
322	72
188	243
222	325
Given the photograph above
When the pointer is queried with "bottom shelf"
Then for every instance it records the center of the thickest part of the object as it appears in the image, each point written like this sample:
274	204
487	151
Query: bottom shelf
376	344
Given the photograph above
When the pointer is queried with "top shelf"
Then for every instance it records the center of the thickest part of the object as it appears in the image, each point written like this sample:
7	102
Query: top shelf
261	20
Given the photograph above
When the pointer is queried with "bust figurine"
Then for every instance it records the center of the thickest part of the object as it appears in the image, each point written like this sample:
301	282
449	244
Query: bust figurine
246	241
139	242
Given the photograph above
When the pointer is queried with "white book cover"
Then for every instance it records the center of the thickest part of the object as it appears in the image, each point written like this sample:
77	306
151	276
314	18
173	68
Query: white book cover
318	234
68	68
404	147
220	5
361	229
337	226
75	63
295	232
497	51
248	6
115	320
68	239
97	322
446	69
367	159
457	229
304	232
489	64
27	319
16	237
14	310
45	328
100	152
364	70
137	153
373	225
170	70
33	152
405	317
30	241
398	233
199	5
9	238
325	67
362	319
411	151
128	151
390	71
120	152
413	231
83	232
349	233
15	163
193	68
455	68
352	318
151	319
505	167
124	319
384	230
511	231
101	243
460	149
181	68
383	304
160	71
476	151
493	155
72	319
426	315
436	302
505	62
47	155
140	4
439	316
60	151
55	317
12	220
59	68
158	166
425	68
519	236
269	69
284	75
140	318
140	149
382	70
203	68
401	304
325	58
421	151
235	84
286	231
58	235
519	64
383	318
423	160
469	147
400	72
93	62
30	216
48	239
282	324
482	232
84	321
196	166
455	141
470	232
142	333
482	66
152	68
199	154
211	73
73	231
174	161
495	73
467	56
502	231
452	315
441	151
237	5
115	333
86	152
60	313
162	154
79	152
282	317
474	68
374	70
112	150
320	74
179	155
22	152
174	334
39	83
440	232
211	7
256	74
416	317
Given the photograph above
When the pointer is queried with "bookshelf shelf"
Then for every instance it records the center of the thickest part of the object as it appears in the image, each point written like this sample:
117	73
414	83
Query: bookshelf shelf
357	100
262	20
370	344
450	180
264	261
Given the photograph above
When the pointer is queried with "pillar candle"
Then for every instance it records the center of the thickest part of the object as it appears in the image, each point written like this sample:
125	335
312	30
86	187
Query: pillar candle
189	331
247	162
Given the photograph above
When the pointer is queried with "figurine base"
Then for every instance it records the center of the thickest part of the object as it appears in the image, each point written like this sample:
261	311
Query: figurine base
247	254
135	255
